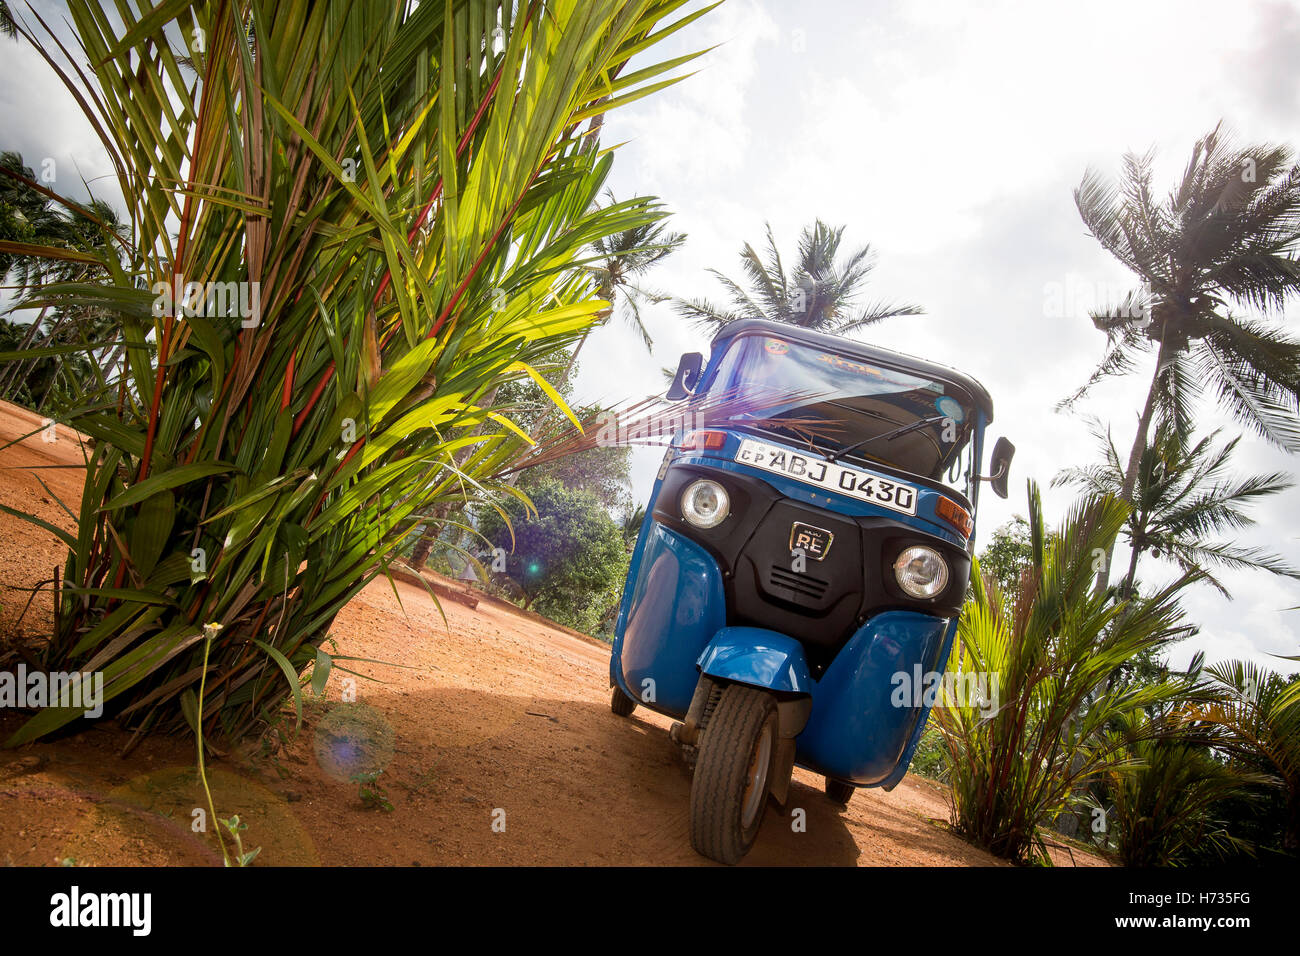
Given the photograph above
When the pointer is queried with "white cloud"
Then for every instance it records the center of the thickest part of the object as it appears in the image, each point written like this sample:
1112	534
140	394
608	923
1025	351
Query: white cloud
950	136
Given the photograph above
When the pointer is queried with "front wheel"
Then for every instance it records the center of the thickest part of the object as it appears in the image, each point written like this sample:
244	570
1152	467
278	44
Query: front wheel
732	770
621	704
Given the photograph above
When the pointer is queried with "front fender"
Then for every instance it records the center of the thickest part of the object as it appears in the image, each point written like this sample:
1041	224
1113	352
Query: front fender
771	661
757	657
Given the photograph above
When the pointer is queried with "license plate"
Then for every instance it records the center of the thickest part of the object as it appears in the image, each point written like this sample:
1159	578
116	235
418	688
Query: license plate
829	475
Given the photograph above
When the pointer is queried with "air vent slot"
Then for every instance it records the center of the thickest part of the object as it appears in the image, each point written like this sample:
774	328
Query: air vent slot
803	585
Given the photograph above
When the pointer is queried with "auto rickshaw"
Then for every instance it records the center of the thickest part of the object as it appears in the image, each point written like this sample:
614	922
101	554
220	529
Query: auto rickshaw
794	559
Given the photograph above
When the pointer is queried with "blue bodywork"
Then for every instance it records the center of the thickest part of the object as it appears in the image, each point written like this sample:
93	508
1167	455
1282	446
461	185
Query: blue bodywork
672	628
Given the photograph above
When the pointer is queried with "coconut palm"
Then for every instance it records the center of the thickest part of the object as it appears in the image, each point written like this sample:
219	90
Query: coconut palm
397	199
1024	754
621	259
631	523
26	216
1225	238
624	257
821	293
32	219
1183	498
29	219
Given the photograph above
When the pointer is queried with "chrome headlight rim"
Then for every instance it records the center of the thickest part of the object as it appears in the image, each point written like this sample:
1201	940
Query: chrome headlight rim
705	518
913	585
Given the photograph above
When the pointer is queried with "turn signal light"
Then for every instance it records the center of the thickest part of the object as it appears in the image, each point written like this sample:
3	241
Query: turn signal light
955	515
706	440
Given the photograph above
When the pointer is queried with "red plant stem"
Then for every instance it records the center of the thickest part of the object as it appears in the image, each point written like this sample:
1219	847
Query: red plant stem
287	394
315	396
158	379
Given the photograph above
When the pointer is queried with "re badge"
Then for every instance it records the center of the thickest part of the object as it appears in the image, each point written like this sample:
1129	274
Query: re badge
814	542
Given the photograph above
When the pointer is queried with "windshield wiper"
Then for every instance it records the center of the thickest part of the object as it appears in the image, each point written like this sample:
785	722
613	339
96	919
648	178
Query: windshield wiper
903	430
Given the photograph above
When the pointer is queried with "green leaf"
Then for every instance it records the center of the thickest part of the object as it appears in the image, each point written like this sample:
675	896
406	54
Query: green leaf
172	478
289	674
151	529
59	533
321	672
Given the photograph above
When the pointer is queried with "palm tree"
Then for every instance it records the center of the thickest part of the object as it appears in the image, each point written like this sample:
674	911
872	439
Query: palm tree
1167	804
1257	721
1182	498
631	524
33	219
820	294
1226	236
627	255
624	257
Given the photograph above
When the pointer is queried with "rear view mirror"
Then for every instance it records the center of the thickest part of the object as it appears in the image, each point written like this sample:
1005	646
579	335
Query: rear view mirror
1000	466
688	376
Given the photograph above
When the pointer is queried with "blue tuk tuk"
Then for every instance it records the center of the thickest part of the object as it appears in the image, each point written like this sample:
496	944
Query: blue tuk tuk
795	558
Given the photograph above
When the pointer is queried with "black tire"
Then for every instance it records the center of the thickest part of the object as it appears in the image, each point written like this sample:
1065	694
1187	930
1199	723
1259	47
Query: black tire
621	704
732	773
839	791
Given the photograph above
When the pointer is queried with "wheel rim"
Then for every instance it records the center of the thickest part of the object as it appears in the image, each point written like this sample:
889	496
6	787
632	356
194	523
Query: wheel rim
756	779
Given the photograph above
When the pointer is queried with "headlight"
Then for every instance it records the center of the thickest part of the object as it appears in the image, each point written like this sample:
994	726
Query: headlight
921	572
705	503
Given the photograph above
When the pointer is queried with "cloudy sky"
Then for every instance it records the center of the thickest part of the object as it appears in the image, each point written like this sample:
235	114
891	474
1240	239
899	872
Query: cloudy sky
949	135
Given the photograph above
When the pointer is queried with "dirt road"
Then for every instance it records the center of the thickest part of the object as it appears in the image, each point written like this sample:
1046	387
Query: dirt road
492	731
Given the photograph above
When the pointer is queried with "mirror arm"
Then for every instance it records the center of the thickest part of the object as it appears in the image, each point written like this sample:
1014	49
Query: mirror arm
1006	465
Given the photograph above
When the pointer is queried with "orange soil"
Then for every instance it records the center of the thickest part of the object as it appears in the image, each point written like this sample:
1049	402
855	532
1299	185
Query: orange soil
494	737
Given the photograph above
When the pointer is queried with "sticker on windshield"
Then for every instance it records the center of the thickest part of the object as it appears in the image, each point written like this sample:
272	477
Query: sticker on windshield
949	407
776	347
840	361
811	470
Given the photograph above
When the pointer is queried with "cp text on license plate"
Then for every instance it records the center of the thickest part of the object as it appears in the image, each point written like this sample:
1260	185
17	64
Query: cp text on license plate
811	470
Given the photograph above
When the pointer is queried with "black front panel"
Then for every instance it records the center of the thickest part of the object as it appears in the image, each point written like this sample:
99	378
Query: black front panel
825	601
814	601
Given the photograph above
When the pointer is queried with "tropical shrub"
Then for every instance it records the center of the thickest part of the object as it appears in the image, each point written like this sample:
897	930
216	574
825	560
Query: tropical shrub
1167	808
348	224
1256	720
1018	761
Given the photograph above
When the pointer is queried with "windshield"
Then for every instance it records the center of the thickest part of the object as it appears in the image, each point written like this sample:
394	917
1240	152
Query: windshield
846	407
